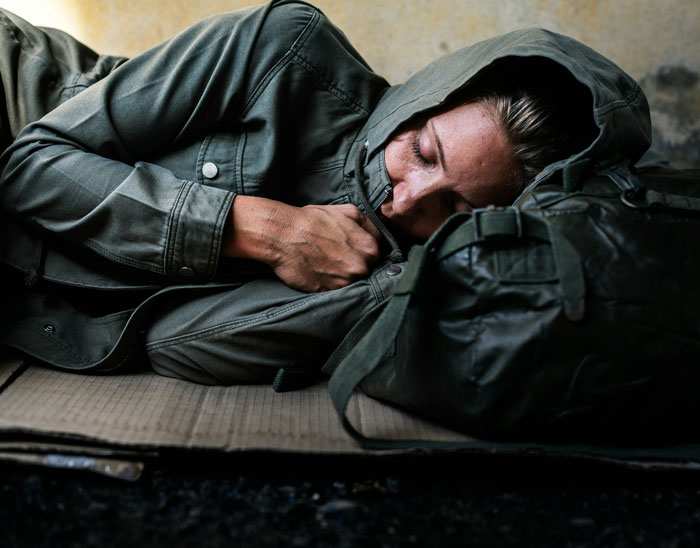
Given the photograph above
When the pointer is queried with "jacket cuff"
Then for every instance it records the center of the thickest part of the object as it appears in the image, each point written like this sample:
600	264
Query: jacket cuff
195	232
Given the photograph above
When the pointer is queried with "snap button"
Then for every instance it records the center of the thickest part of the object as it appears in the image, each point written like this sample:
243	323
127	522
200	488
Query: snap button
49	328
209	170
185	272
393	270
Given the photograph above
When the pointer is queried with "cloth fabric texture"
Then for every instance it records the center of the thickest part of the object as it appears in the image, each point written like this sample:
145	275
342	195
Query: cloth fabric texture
130	261
114	202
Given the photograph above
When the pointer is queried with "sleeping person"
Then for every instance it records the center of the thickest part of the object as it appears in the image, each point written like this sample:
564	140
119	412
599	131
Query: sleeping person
233	200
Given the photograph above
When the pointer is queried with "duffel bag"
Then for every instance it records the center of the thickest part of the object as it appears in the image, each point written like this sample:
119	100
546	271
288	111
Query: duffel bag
573	316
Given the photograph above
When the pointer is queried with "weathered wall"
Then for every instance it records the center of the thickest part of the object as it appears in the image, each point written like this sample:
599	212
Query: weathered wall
656	42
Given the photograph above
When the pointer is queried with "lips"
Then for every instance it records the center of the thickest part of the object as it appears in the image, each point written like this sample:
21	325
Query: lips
383	218
386	210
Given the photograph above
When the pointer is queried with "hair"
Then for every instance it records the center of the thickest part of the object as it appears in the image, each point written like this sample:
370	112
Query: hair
542	124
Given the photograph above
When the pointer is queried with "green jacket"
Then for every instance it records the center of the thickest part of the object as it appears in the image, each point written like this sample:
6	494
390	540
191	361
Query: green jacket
117	198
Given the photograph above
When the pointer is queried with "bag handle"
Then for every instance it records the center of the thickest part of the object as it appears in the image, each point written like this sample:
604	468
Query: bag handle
511	221
418	257
364	348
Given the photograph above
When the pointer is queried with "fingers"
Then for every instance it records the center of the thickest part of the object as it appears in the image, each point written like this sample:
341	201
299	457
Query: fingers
368	225
363	221
327	247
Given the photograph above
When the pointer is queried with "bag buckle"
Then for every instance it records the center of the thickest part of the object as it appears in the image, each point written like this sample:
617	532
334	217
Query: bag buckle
502	229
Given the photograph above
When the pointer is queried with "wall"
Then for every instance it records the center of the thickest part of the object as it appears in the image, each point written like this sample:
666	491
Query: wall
656	42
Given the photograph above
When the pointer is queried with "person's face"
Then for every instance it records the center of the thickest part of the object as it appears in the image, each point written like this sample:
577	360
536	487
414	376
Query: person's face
458	160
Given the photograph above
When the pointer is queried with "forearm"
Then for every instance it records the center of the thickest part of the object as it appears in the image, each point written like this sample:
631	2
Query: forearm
142	216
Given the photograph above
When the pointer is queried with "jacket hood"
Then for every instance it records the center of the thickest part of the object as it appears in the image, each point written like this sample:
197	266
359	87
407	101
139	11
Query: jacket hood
619	112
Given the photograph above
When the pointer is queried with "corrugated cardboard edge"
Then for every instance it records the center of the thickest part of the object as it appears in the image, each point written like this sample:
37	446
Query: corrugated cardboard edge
11	366
143	412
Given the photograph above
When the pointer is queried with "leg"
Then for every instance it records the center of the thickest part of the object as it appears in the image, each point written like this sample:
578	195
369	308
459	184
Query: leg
245	335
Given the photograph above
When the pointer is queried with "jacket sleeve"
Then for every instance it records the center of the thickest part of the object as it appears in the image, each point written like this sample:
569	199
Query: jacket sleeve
79	173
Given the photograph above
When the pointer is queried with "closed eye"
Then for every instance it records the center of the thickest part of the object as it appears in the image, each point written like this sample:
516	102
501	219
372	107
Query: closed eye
415	147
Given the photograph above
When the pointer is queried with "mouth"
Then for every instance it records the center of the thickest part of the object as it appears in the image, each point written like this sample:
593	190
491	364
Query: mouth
383	218
385	210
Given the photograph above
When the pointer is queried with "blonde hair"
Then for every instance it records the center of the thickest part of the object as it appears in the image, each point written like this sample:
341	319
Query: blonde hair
530	130
542	124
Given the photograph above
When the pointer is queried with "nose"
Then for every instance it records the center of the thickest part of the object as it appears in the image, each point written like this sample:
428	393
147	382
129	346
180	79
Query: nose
416	194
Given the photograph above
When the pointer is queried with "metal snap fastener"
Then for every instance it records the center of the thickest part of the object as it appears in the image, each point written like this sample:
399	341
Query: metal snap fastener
186	272
209	170
393	270
49	328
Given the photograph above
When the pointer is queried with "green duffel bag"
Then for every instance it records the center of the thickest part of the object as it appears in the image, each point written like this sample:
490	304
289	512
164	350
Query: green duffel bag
571	318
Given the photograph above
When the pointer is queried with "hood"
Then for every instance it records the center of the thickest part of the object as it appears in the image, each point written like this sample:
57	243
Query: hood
619	113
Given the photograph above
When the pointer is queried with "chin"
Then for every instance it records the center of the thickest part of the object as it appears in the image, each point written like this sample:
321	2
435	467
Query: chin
404	236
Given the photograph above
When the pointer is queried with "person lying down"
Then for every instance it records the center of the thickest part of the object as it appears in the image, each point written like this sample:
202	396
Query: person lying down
235	199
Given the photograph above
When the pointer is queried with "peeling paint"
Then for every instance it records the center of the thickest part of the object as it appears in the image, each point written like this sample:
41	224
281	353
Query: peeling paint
674	100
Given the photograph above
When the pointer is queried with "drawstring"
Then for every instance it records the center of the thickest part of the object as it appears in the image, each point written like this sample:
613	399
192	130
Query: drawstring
396	256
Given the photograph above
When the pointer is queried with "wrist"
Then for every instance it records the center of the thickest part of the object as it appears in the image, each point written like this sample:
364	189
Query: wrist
254	229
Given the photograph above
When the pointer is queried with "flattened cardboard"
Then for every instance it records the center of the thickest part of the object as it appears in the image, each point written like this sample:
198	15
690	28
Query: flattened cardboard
149	411
140	413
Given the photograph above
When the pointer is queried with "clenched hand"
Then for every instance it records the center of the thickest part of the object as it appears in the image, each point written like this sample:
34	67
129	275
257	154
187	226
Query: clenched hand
311	248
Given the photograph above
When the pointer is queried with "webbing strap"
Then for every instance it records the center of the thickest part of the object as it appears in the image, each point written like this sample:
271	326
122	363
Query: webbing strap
636	195
622	175
367	344
573	173
417	259
673	201
354	336
499	222
364	358
570	273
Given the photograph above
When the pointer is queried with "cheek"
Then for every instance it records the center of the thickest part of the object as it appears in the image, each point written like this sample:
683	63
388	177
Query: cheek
397	156
422	223
390	159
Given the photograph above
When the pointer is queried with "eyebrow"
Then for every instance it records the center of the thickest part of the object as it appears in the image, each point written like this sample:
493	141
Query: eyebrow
441	152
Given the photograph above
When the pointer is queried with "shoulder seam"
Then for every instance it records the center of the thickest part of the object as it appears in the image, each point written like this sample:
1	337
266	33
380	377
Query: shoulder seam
281	62
329	85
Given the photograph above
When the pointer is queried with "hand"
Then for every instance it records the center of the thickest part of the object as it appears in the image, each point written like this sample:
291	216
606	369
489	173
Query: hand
311	248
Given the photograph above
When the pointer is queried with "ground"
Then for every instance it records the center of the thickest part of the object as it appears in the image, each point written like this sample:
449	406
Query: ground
287	500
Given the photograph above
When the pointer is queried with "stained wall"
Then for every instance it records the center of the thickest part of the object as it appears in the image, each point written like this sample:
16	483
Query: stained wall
656	42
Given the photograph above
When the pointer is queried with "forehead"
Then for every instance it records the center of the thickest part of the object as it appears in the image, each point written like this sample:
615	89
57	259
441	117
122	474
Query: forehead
479	159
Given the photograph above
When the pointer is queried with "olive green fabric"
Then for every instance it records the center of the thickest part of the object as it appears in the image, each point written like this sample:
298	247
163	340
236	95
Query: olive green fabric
247	335
115	201
114	216
571	318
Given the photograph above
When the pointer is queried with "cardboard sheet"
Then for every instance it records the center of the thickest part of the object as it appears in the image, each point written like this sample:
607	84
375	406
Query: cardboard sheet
48	412
148	411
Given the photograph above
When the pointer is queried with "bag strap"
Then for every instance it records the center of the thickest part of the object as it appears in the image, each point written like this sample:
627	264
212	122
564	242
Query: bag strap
418	258
654	198
511	221
634	194
365	347
648	199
